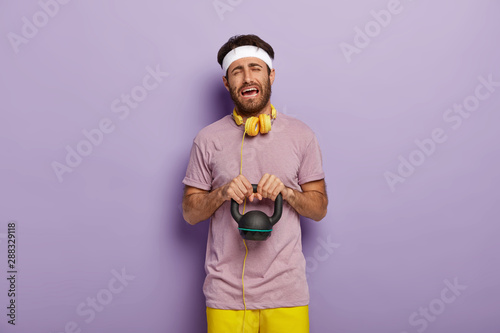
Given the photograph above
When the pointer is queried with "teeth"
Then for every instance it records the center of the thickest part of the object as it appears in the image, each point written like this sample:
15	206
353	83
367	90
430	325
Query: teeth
246	90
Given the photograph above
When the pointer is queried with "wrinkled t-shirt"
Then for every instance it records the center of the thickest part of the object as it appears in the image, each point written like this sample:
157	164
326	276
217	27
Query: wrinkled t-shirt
275	270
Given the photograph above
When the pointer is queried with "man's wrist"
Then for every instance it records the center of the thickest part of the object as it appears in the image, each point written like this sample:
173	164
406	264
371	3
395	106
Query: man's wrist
289	195
219	195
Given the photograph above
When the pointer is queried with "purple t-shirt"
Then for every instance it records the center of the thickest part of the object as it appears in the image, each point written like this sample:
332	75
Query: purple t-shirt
275	268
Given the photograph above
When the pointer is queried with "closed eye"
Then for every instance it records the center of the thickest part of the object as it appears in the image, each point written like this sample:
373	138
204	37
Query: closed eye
255	66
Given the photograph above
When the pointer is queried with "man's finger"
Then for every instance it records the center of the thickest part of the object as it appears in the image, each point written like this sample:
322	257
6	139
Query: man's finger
233	194
261	184
276	191
247	186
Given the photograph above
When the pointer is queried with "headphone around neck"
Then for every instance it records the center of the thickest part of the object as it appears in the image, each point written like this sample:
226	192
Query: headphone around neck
254	125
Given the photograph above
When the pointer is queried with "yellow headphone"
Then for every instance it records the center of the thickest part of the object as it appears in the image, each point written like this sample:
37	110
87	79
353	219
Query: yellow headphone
253	125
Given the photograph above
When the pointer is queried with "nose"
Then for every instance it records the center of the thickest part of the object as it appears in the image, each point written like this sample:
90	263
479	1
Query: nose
247	75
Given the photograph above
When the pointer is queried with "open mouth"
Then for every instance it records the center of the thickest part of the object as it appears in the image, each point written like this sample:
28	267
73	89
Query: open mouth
249	92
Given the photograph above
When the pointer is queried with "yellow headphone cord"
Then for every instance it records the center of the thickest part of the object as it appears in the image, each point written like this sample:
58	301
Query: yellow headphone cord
239	121
246	248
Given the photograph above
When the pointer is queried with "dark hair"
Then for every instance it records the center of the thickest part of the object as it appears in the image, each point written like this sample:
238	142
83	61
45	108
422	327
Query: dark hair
242	40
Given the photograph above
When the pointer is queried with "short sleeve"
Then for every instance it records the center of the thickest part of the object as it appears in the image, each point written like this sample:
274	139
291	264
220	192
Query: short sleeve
311	167
198	173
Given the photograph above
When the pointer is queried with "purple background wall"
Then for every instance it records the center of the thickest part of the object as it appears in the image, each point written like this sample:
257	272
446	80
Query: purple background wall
397	93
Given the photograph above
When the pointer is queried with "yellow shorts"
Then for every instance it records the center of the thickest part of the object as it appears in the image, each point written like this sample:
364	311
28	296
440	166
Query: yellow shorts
279	320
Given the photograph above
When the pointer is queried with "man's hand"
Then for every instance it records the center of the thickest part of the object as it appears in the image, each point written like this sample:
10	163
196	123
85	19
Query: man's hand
238	189
270	186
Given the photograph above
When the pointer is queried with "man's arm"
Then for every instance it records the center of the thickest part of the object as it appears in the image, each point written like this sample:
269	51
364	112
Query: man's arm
198	205
312	202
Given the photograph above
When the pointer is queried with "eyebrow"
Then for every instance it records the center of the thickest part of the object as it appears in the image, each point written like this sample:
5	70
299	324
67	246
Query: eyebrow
237	67
253	64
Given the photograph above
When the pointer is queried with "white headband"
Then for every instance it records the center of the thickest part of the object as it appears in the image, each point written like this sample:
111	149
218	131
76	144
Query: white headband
245	52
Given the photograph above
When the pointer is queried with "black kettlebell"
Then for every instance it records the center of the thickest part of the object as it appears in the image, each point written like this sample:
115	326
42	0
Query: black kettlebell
256	225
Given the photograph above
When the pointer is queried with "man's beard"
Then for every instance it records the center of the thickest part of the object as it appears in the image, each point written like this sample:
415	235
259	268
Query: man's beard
252	107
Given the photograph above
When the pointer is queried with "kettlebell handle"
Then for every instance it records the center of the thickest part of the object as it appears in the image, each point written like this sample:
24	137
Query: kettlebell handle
278	208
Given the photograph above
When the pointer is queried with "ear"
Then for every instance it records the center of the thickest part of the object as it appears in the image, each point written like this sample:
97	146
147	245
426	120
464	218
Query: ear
226	84
272	75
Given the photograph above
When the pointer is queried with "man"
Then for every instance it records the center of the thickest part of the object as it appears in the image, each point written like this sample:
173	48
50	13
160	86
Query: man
259	286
